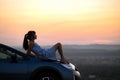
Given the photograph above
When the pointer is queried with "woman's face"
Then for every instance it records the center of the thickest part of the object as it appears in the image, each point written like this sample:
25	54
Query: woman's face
35	36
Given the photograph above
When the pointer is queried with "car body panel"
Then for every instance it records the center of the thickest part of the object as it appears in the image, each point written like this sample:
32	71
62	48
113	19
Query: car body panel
16	65
63	72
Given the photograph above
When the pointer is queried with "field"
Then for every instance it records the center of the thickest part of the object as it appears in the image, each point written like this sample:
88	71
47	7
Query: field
95	62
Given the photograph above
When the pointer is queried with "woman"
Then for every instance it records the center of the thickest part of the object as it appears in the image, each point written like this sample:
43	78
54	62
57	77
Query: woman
30	45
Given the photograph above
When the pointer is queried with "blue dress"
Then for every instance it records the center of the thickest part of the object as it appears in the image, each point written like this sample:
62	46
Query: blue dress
46	53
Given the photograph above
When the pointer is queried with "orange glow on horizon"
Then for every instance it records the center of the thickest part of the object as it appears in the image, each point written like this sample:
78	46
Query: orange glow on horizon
67	21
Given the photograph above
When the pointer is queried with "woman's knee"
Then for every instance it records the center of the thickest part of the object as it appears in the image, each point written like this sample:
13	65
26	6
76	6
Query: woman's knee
58	44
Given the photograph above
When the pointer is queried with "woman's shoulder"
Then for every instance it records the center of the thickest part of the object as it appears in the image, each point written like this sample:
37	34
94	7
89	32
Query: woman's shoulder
36	44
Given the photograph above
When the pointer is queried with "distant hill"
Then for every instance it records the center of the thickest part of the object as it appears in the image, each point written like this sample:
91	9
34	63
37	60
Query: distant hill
90	46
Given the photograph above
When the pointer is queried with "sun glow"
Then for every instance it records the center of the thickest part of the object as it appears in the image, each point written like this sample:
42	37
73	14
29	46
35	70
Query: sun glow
67	21
68	6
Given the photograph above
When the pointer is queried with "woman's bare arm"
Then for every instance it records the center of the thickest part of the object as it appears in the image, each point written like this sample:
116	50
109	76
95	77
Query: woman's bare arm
30	46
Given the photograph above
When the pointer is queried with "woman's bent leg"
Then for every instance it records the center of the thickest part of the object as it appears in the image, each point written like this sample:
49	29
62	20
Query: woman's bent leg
58	47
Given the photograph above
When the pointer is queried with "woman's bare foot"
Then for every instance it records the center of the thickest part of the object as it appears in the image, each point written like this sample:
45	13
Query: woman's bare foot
64	61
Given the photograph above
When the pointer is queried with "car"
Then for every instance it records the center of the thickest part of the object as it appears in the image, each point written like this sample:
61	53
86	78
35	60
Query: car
16	65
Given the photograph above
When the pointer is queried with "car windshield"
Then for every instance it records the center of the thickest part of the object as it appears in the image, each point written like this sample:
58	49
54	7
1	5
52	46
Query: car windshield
6	53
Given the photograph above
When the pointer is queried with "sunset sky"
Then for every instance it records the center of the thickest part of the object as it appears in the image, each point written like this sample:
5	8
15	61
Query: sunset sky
65	21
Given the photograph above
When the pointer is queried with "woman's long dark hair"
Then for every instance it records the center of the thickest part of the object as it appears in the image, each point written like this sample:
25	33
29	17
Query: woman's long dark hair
28	36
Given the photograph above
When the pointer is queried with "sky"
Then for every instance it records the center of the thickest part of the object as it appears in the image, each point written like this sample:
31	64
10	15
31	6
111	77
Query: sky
65	21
